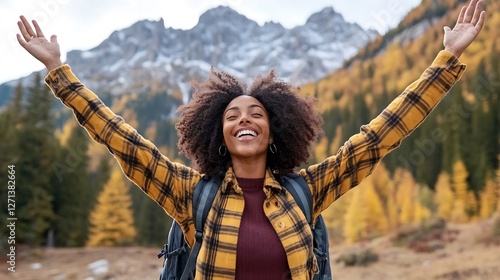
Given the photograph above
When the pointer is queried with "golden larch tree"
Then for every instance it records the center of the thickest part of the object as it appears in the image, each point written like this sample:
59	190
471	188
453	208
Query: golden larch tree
444	196
334	217
459	184
488	200
112	221
497	186
387	194
376	220
355	220
405	198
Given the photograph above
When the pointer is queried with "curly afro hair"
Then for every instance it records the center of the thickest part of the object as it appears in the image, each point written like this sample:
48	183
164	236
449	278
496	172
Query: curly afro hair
294	122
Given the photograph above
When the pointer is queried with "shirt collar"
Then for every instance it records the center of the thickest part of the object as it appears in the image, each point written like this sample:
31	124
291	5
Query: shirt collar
270	182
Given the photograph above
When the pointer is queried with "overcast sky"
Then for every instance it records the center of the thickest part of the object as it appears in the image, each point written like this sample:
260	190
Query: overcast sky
83	24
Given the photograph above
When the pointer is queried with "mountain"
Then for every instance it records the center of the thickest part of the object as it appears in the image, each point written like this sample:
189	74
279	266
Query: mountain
147	57
468	118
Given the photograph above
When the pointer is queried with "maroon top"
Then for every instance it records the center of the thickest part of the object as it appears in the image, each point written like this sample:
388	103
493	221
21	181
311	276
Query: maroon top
259	253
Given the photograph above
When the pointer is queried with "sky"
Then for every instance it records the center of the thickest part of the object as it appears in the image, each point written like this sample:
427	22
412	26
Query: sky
83	24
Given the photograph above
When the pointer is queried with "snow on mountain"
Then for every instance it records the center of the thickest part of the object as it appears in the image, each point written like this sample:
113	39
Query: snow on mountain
147	57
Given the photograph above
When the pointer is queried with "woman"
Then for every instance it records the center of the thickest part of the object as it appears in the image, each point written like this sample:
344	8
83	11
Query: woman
254	229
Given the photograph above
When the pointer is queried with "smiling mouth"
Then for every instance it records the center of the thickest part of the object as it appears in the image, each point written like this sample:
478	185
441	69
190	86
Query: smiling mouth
246	133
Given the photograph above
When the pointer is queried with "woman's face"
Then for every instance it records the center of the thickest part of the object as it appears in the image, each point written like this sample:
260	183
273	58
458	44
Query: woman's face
245	126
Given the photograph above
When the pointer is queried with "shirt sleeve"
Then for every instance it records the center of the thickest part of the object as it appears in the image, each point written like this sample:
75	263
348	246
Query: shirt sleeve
170	184
359	156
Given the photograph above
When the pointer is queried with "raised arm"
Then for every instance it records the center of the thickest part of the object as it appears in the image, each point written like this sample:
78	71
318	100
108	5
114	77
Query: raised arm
359	156
170	184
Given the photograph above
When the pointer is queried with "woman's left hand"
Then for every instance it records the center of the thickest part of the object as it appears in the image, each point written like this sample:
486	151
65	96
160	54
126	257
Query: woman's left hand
469	24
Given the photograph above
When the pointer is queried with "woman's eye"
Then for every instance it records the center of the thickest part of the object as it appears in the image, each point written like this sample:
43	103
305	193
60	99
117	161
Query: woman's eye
229	118
257	115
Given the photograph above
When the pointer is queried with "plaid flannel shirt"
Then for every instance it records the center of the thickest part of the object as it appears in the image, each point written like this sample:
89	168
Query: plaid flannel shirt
171	184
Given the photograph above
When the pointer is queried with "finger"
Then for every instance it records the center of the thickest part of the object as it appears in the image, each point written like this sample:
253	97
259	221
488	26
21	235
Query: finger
461	15
477	12
21	41
23	31
470	11
28	27
39	32
53	39
480	22
447	29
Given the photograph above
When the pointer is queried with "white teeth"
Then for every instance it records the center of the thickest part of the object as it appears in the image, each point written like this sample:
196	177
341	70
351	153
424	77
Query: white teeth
246	131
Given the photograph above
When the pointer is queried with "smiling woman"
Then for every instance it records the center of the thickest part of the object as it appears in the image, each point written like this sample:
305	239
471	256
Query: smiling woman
254	229
281	119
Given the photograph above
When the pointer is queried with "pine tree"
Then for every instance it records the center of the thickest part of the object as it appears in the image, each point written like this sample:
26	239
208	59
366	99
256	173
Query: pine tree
9	126
153	223
76	193
111	220
36	151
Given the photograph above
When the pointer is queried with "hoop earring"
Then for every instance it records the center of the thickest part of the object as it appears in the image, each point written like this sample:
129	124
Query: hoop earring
224	150
273	148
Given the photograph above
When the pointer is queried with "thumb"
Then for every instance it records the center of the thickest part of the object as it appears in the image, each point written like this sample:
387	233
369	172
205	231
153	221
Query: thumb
53	39
447	29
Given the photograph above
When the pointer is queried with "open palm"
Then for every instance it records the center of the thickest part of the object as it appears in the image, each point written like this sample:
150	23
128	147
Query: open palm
37	45
469	24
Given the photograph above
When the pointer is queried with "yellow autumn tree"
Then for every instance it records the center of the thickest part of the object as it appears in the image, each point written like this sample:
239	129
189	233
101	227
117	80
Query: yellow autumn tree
384	187
405	199
488	200
408	198
355	220
444	196
111	220
334	217
497	185
459	184
376	220
421	213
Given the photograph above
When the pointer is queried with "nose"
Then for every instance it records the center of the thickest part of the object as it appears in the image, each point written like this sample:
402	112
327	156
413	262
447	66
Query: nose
244	119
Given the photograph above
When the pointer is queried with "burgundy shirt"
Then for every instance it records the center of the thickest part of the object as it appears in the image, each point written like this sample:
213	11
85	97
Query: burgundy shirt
259	253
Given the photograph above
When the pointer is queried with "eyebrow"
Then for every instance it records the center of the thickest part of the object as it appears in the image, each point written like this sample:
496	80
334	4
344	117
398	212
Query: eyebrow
249	106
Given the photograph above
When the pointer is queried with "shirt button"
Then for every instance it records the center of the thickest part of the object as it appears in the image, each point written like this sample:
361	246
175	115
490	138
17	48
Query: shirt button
277	204
268	204
282	225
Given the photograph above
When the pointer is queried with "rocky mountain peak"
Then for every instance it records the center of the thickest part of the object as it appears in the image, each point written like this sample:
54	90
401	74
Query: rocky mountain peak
147	57
327	16
223	15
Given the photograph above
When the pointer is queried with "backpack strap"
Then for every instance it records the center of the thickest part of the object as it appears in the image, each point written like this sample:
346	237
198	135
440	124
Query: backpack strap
203	198
300	192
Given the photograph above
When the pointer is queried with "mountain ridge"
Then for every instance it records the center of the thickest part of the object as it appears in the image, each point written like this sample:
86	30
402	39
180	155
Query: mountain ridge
149	57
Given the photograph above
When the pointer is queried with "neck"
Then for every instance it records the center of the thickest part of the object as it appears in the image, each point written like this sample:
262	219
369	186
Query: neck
249	168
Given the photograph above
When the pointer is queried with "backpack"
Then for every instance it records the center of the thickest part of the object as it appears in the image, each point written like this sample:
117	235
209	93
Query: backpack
180	260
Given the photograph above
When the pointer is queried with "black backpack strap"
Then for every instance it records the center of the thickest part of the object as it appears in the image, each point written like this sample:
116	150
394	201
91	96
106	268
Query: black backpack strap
300	192
203	198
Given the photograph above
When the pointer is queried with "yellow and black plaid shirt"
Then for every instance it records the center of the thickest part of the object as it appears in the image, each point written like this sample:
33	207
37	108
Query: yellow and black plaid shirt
171	184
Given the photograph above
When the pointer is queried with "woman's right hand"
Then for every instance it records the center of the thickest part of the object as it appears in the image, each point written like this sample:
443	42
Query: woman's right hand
47	52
